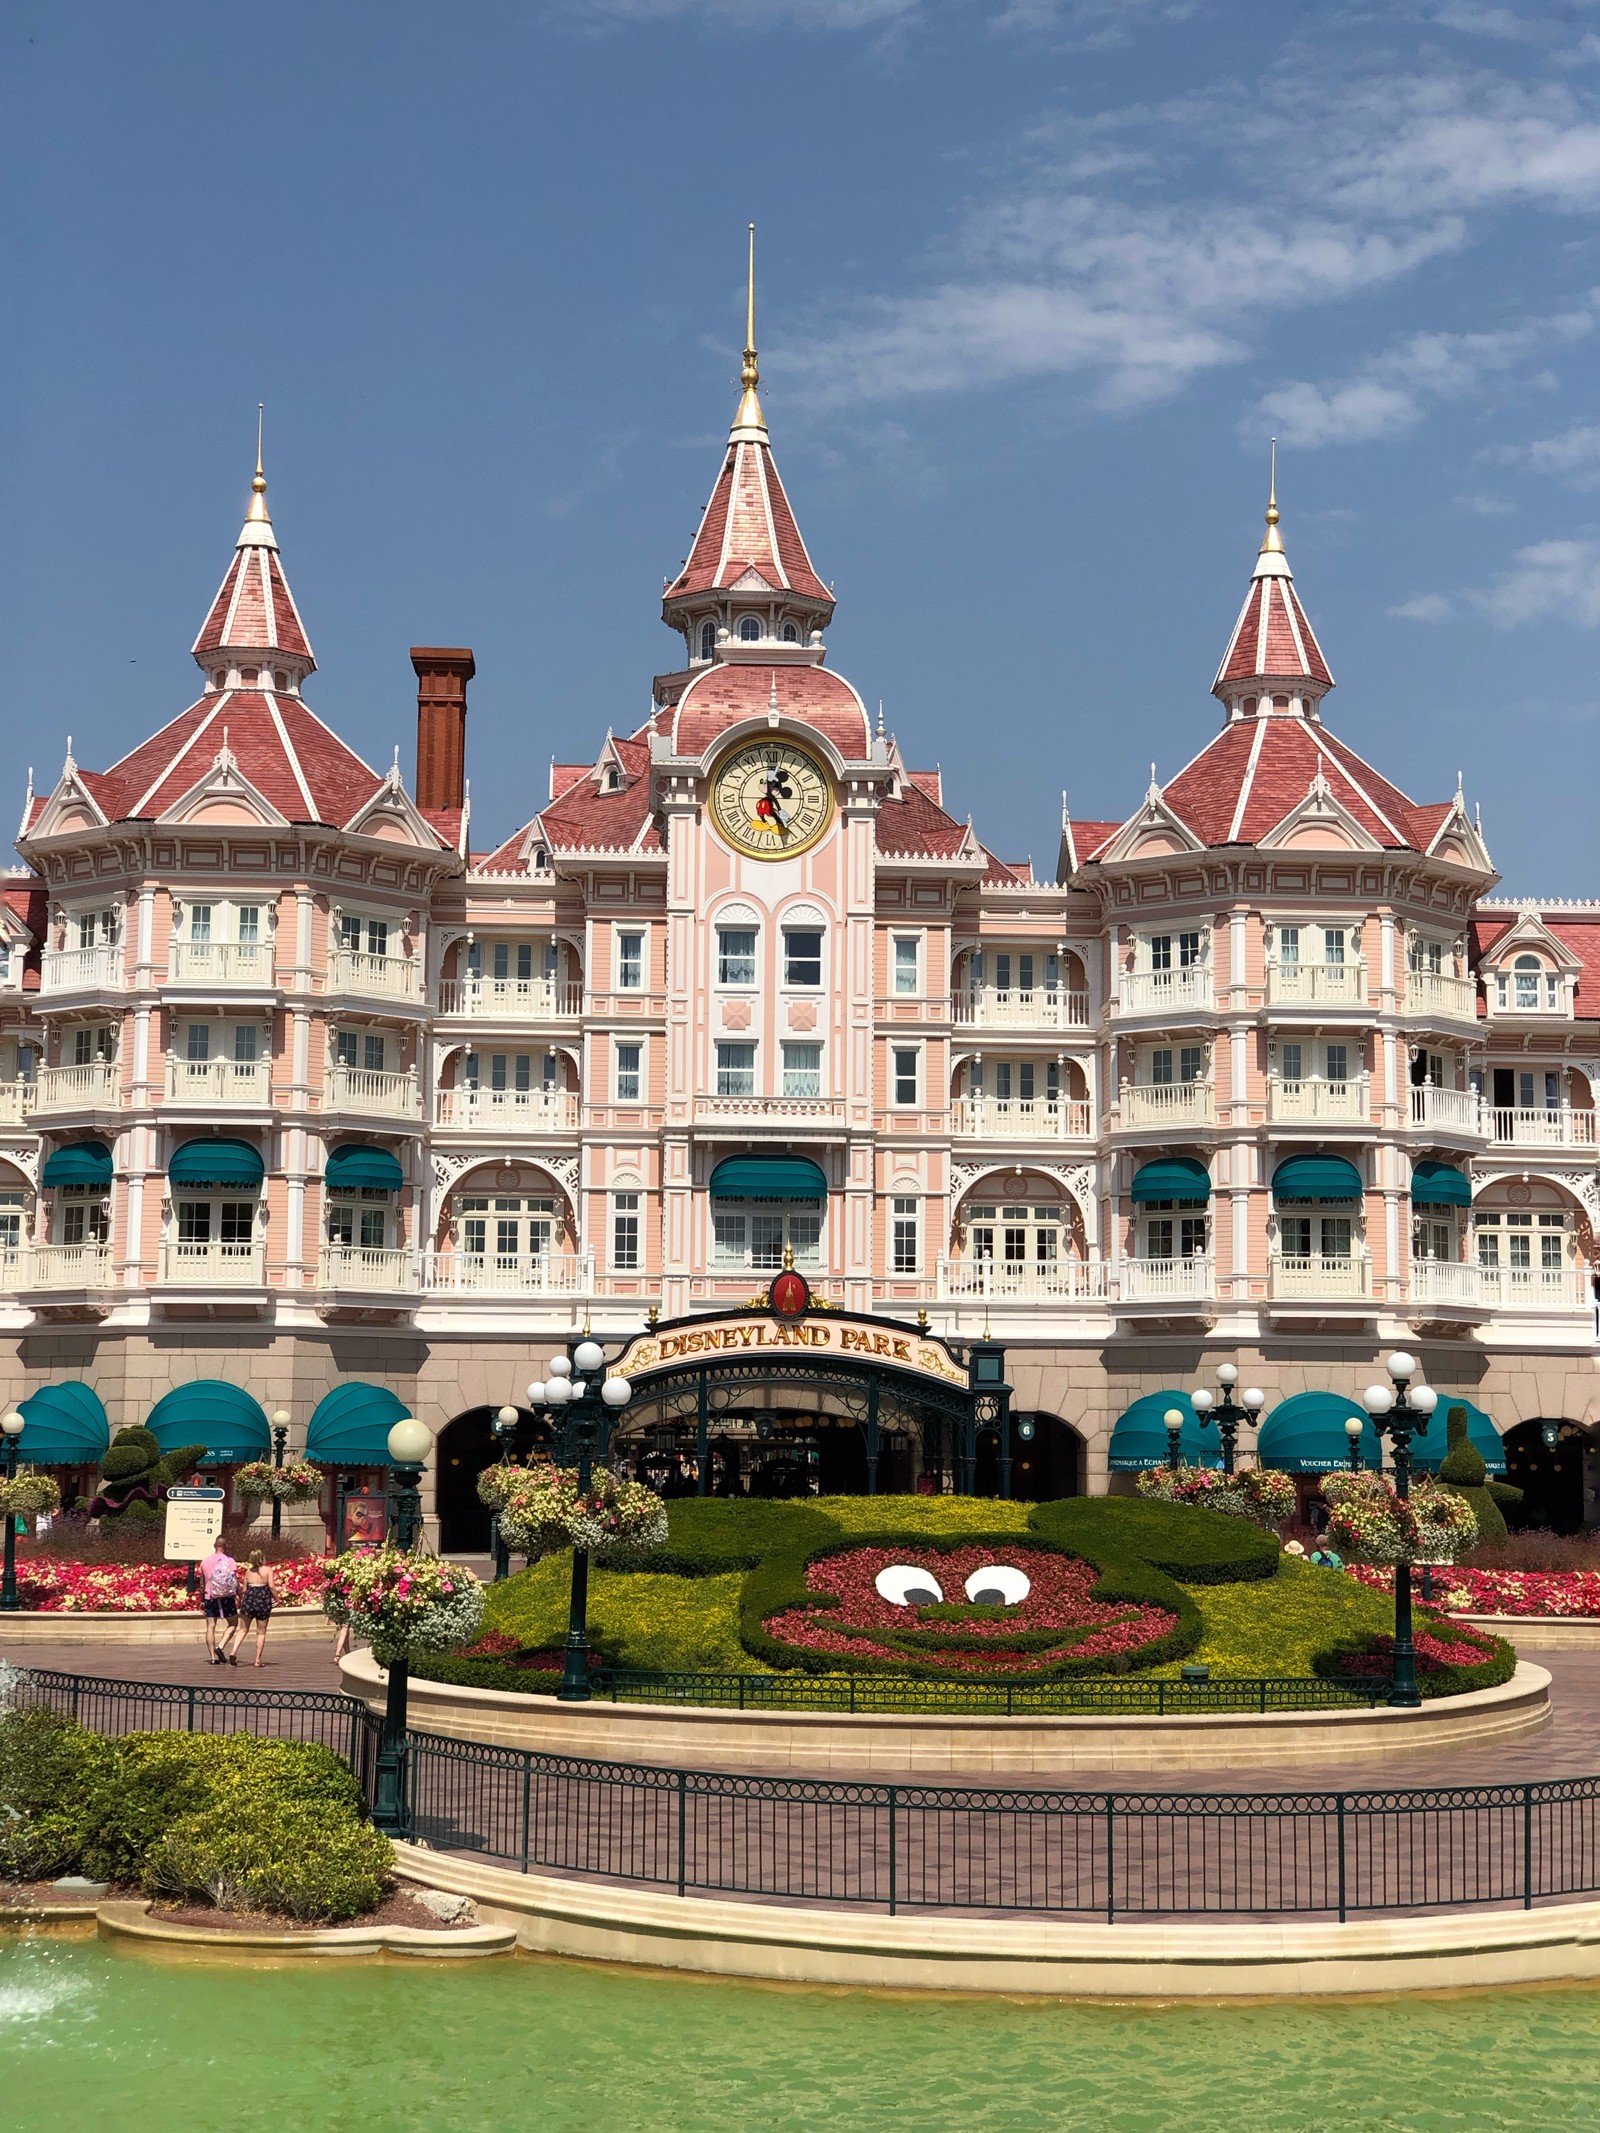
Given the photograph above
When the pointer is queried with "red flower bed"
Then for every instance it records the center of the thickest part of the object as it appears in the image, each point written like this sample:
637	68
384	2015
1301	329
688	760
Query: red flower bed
1058	1617
1432	1653
1501	1592
142	1588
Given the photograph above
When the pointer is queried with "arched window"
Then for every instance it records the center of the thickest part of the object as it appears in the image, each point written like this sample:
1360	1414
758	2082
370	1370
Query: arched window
790	633
1526	968
750	629
613	778
708	639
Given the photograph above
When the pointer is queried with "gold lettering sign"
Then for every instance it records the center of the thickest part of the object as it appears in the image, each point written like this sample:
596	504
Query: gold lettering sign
920	1355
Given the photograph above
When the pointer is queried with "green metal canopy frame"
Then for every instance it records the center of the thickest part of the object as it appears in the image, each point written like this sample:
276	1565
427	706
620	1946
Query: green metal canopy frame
350	1426
65	1426
224	1418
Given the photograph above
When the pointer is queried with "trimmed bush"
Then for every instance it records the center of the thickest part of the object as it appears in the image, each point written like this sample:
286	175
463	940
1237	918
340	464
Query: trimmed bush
50	1770
1200	1547
298	1858
1371	1658
1464	1470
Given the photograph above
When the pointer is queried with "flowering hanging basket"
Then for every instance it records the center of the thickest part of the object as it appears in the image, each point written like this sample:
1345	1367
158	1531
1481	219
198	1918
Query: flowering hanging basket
1433	1525
1257	1493
28	1492
542	1509
297	1482
403	1604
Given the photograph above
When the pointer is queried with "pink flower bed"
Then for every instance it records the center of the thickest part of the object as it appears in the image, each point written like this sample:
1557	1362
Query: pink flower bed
142	1588
1431	1653
1058	1600
1500	1592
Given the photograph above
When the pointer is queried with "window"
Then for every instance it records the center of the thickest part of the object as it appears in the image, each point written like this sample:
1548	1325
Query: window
505	955
1526	968
1161	951
630	962
95	929
373	1052
1338	1062
246	1037
904	1246
1188	951
223	1222
790	633
1291	1062
802	956
359	1219
613	778
507	1230
1552	1243
906	948
754	1237
345	1048
628	1073
736	956
1026	1236
802	1069
905	1074
1191	1061
249	925
1288	944
736	1069
511	1070
750	629
1170	1233
200	922
13	1206
1333	938
1426	955
358	935
625	1232
1314	1236
82	1217
708	640
197	1040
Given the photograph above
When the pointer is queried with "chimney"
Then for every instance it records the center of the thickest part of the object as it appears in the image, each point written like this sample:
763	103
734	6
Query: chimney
443	672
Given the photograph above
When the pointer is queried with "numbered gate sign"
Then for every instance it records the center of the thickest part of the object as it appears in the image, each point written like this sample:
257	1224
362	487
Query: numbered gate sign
194	1522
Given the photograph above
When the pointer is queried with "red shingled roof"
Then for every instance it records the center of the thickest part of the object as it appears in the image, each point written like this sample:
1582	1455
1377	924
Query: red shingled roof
280	746
1272	640
916	827
29	901
1257	769
724	695
1579	936
254	610
1089	839
748	525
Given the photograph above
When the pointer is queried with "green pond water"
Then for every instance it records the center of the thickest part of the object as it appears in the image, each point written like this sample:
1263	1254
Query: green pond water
93	2039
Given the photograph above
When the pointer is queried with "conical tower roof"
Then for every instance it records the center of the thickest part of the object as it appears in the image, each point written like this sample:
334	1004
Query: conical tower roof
253	617
1273	647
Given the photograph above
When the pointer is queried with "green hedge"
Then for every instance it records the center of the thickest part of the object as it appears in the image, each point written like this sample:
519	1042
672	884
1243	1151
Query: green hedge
1201	1547
1432	1680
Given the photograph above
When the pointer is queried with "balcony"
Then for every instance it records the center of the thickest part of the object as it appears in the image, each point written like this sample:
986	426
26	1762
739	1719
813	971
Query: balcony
511	999
214	1266
1316	1278
509	1274
1038	1281
220	964
1441	997
1162	992
372	1094
1171	1106
772	1114
16	1101
1557	1127
375	977
231	1083
1485	1289
1455	1111
506	1110
64	1266
68	970
1166	1281
1316	984
1023	1118
78	1088
1328	1102
1045	1007
369	1270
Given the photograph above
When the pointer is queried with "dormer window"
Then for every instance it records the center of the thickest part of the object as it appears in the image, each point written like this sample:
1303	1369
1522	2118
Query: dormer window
790	633
749	629
249	676
708	639
1525	977
219	678
612	781
1528	987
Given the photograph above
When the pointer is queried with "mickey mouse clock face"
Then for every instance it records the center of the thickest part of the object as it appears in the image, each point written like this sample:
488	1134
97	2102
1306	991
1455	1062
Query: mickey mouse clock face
771	799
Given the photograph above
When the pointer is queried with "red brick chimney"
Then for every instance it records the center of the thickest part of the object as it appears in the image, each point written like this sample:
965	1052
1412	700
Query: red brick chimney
443	672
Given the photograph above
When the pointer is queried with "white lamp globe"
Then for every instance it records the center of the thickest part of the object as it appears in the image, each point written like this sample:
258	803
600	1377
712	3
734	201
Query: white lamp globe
507	1416
616	1392
1254	1398
536	1392
1173	1418
558	1392
1377	1399
1202	1401
560	1366
589	1357
1424	1400
1400	1365
281	1418
410	1441
1353	1427
1227	1374
13	1424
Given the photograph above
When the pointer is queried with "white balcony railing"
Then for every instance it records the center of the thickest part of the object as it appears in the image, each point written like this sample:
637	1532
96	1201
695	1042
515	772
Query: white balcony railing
507	1110
1330	1100
65	1266
1499	1288
509	1273
375	977
1046	1280
1043	1007
219	1081
1314	1277
81	969
1316	984
13	1268
754	1112
1024	1118
1154	992
1168	1281
1558	1127
214	1266
510	999
223	963
373	1094
1447	1110
1175	1105
1435	992
16	1101
370	1269
77	1088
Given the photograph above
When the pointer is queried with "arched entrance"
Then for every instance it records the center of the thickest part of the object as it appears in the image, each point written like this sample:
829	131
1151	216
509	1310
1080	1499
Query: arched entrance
466	1446
1551	1480
1049	1462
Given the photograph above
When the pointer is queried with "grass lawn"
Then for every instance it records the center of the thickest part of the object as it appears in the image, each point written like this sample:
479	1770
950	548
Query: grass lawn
1272	1626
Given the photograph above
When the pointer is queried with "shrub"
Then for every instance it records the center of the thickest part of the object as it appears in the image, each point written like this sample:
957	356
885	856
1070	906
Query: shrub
50	1769
298	1858
1464	1470
1199	1547
1371	1657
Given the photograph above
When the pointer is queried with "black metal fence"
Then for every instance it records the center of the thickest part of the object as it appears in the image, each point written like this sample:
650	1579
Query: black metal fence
953	1848
894	1695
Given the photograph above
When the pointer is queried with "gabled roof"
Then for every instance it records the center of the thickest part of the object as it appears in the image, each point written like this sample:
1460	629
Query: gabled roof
582	816
914	826
283	749
1574	941
1244	783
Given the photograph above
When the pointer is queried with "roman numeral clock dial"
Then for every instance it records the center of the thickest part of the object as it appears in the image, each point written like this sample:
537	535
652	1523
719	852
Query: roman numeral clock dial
771	799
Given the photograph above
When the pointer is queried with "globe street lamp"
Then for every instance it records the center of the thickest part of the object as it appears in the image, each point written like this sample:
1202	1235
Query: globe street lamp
1353	1428
1229	1413
583	1407
280	1439
1173	1421
409	1444
13	1425
1397	1412
505	1435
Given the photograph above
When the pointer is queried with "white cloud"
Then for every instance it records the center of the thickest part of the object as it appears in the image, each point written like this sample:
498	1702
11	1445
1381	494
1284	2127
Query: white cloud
1559	578
1424	607
1574	455
766	14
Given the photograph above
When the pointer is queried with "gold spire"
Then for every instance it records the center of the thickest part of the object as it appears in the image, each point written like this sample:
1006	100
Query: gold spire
750	415
1272	540
258	487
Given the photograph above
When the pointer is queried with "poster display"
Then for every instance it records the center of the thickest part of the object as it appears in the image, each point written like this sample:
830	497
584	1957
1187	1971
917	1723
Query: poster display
194	1522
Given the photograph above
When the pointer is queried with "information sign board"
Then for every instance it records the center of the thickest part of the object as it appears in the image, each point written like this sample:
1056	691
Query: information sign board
194	1521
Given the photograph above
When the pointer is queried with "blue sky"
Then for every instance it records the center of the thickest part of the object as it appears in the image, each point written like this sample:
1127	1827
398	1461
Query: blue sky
1038	280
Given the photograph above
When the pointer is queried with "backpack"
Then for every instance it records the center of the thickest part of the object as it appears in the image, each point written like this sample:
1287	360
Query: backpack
222	1577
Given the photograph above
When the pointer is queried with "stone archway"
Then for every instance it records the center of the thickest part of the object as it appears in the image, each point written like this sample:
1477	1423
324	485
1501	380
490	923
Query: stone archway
466	1446
1551	1479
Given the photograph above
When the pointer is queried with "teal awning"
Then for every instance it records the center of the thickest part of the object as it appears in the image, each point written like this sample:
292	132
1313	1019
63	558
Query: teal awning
1428	1450
350	1426
79	1163
1174	1177
768	1177
1316	1177
217	1163
1439	1185
66	1426
1306	1435
227	1421
1140	1437
355	1165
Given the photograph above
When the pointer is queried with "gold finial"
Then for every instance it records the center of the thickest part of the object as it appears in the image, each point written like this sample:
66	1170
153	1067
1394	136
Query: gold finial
788	1259
750	415
258	487
1272	540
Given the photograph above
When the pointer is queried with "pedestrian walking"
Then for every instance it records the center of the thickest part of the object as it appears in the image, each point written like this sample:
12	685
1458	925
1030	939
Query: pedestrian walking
219	1584
256	1602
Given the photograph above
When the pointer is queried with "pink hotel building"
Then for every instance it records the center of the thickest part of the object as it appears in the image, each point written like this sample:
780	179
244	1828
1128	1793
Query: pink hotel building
298	1087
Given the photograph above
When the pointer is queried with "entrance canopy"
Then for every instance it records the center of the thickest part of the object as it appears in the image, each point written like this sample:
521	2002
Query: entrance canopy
1316	1177
1173	1177
224	1418
351	1425
1306	1435
1140	1437
768	1177
66	1426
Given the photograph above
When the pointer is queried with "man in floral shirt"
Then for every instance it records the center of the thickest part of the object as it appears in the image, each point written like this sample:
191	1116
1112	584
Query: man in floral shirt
219	1581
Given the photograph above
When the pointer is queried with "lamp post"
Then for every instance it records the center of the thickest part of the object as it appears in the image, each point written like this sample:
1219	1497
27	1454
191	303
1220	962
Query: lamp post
1228	1412
583	1408
505	1434
1173	1421
1353	1428
280	1440
1397	1412
13	1425
409	1444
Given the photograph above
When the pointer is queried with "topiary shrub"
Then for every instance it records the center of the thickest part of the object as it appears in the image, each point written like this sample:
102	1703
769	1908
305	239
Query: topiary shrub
301	1859
1464	1471
51	1770
135	1476
1200	1547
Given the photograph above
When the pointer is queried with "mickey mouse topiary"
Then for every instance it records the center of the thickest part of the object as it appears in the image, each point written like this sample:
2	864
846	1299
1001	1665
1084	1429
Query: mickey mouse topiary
1463	1470
135	1475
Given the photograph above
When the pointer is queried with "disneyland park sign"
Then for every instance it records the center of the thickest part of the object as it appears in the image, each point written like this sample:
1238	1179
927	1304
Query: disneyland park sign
835	1339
